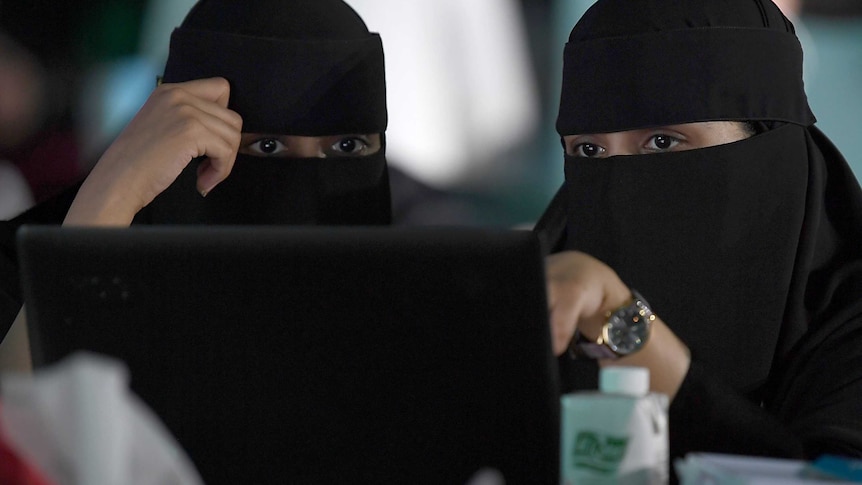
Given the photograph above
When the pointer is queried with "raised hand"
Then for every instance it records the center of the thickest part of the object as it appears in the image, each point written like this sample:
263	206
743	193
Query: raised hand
178	122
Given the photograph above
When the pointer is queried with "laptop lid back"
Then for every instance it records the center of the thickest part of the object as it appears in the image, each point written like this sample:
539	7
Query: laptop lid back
311	355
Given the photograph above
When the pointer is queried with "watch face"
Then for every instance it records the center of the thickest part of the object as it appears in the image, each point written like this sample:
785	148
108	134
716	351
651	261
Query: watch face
627	329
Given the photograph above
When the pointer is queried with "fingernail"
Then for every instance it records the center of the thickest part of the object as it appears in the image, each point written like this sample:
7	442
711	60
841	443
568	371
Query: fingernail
204	192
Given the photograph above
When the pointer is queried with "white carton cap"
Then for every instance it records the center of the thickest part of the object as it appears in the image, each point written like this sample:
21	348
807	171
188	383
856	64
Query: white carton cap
631	381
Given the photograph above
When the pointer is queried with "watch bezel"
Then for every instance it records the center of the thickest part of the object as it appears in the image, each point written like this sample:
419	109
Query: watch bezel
632	319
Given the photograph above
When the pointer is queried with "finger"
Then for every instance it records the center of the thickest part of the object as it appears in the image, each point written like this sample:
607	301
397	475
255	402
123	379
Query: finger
559	313
564	329
219	134
564	316
221	155
184	95
210	174
184	133
214	89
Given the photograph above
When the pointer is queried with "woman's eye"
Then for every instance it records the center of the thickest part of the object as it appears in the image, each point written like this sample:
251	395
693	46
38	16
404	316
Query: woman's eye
662	143
267	146
587	150
350	146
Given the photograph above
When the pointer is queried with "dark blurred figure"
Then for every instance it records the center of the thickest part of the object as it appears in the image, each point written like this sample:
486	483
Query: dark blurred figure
35	133
42	148
30	139
21	105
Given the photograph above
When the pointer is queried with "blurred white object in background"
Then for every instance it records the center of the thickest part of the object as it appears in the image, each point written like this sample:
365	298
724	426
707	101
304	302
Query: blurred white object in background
460	86
15	194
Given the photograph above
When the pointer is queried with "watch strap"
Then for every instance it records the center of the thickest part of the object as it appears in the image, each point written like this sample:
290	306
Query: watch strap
582	347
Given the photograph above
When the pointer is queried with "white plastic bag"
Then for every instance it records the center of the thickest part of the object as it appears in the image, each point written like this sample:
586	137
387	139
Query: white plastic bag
79	423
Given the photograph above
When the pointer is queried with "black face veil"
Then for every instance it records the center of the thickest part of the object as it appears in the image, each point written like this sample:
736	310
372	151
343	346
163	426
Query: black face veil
307	68
739	247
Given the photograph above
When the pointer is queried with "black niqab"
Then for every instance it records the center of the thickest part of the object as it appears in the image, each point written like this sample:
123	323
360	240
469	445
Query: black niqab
306	68
749	251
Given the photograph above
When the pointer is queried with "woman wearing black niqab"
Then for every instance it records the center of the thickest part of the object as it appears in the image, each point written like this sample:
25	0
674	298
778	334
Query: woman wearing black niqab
299	72
747	248
307	69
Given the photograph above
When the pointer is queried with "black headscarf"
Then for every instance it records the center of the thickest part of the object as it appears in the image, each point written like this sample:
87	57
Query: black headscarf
303	67
750	251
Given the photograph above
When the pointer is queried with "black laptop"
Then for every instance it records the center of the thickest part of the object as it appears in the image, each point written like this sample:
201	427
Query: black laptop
315	355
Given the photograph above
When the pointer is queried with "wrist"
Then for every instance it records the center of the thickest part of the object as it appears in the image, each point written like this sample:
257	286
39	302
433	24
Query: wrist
101	204
667	358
